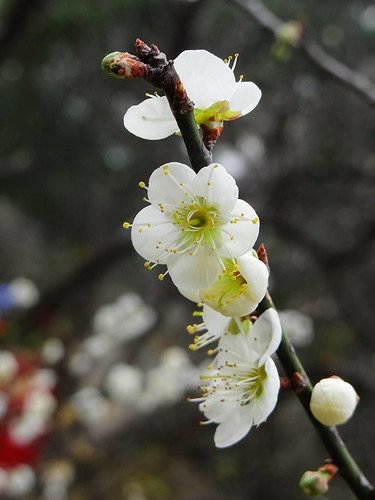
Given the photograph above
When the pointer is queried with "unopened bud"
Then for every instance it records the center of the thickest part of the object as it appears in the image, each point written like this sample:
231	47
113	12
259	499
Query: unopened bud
314	483
124	65
333	401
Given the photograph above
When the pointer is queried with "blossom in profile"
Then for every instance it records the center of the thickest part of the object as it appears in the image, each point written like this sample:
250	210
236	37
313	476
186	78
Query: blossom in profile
210	83
195	222
333	401
238	288
243	384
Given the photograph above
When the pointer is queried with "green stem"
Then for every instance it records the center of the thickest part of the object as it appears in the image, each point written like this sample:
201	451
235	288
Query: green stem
332	440
198	153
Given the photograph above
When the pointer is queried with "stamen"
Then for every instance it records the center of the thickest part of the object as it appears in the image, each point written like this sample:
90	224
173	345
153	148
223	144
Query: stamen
163	275
236	56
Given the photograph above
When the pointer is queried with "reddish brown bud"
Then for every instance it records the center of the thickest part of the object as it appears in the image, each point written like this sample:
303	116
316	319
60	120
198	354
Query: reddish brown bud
124	65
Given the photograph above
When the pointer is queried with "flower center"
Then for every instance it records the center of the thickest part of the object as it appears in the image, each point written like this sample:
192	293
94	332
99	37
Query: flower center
200	218
254	380
229	285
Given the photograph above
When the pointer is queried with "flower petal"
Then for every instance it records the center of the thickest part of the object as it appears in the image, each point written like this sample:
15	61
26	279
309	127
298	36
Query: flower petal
194	272
170	183
265	334
245	97
239	236
206	78
215	322
151	119
152	233
192	295
266	402
217	187
234	428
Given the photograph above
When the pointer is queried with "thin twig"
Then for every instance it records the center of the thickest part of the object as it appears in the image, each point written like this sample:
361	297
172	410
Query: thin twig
353	80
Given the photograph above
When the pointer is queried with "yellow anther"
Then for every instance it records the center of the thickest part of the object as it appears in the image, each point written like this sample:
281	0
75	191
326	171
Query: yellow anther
200	304
147	263
141	184
236	54
190	329
255	220
210	352
161	277
193	347
126	225
208	183
197	313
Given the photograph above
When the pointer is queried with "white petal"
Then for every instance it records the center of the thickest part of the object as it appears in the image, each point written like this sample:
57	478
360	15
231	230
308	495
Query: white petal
194	272
255	273
265	404
245	98
265	334
151	119
192	295
150	230
170	185
217	187
206	78
238	238
216	410
234	428
215	322
236	349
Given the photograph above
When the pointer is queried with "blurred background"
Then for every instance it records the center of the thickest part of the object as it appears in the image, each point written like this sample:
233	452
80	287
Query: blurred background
94	359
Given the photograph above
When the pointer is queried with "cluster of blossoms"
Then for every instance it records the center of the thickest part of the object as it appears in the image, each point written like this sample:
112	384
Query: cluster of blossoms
198	228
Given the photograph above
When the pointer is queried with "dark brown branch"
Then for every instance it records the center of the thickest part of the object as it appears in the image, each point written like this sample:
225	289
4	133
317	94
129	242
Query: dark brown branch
353	80
152	65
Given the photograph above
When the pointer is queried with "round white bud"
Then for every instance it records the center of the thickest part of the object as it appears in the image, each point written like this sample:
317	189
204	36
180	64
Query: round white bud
333	401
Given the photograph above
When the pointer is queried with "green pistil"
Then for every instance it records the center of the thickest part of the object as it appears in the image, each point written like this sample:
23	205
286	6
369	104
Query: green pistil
229	285
217	112
255	387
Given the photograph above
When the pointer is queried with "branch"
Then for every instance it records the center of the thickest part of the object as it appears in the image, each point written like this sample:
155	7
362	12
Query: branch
354	81
153	66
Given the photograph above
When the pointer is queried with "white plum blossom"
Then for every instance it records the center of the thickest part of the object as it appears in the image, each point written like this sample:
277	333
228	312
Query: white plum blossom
238	289
195	222
210	83
244	383
333	401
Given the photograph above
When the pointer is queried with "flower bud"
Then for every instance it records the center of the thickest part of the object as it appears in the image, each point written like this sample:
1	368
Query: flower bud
124	65
314	482
333	401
